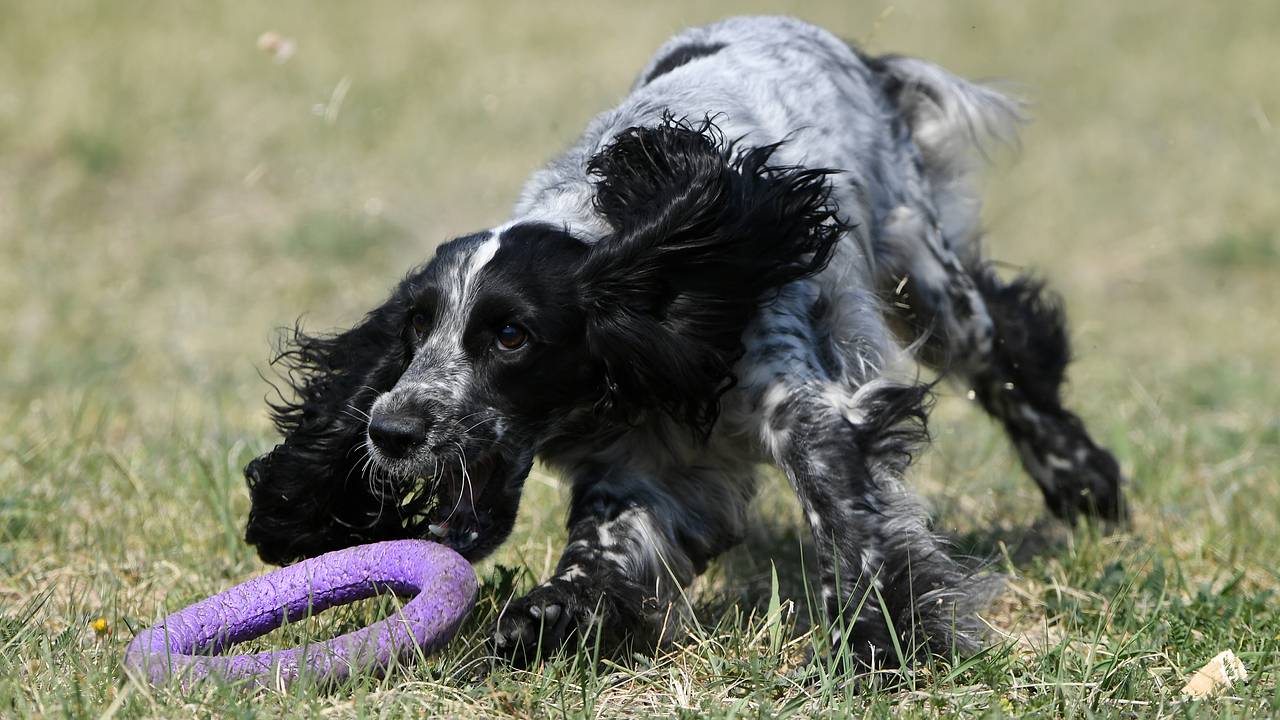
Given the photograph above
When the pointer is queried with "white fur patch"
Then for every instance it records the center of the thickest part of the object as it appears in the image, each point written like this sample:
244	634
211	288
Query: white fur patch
481	257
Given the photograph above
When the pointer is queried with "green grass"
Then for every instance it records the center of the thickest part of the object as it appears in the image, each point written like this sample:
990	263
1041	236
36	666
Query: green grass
169	195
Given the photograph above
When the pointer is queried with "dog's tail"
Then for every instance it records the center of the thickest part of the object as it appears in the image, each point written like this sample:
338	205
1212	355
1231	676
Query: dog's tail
955	123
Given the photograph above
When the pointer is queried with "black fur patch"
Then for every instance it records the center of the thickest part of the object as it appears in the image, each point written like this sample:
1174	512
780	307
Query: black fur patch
704	235
681	56
1032	346
308	494
895	424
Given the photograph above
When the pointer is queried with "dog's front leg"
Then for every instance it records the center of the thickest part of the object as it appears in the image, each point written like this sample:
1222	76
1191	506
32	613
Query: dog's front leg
889	588
620	574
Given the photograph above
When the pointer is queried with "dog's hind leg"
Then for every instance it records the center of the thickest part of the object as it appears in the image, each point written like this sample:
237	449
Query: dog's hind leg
1008	342
888	586
1020	385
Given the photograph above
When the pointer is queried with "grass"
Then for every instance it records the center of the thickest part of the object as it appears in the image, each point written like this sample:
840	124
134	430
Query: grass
169	195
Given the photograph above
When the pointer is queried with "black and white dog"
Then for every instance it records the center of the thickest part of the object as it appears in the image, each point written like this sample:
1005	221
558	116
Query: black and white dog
735	266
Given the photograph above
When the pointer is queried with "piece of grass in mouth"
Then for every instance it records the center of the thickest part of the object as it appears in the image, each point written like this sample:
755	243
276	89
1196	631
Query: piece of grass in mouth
416	504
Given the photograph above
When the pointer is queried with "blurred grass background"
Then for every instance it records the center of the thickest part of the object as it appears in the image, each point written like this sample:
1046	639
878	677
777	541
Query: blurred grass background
169	195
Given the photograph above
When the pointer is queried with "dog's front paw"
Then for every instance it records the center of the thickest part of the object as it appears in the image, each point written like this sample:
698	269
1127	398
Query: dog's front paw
539	623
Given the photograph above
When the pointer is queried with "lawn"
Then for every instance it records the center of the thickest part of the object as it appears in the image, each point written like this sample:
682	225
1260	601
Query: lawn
170	194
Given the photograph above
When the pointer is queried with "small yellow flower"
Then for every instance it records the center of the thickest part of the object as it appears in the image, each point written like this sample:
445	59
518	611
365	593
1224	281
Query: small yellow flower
100	626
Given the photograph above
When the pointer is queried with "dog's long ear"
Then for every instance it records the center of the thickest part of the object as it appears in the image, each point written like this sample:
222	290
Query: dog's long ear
310	494
704	234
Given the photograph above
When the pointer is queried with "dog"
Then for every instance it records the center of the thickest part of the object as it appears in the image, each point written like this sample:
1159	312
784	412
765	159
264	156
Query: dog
744	263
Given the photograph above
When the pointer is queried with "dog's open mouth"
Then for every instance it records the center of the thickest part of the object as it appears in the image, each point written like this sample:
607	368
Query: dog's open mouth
461	515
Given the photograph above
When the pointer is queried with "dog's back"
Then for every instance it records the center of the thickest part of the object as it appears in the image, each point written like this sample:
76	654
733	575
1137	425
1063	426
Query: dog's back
879	120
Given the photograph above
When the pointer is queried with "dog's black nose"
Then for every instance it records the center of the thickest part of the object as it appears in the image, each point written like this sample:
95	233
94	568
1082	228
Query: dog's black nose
396	435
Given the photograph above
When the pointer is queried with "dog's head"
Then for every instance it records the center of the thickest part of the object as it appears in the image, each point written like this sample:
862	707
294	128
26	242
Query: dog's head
424	419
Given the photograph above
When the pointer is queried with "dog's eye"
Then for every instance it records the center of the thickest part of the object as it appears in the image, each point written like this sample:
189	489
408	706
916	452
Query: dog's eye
511	337
421	323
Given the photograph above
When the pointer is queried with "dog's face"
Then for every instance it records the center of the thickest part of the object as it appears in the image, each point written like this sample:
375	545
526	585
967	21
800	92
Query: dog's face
423	419
496	346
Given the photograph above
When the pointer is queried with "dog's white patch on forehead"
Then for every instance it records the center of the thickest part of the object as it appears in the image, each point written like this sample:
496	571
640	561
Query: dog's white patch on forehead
440	371
441	366
483	255
462	278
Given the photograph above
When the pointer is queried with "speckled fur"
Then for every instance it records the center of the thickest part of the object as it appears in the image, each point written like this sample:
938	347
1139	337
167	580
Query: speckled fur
816	394
823	383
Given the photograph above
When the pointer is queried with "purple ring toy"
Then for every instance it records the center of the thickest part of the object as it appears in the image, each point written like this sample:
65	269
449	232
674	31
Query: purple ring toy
185	644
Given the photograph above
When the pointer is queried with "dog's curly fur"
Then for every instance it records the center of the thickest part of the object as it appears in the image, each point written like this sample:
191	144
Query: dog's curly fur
733	267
